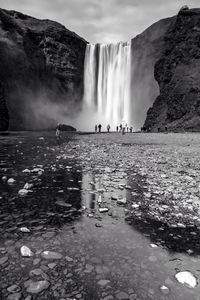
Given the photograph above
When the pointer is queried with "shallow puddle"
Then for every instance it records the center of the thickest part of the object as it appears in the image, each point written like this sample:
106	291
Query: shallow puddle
84	243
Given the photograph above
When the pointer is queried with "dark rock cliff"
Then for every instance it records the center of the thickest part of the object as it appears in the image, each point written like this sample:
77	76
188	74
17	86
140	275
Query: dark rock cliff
147	48
178	75
4	116
41	68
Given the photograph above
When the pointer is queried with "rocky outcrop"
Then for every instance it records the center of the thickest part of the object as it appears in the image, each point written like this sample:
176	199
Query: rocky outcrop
4	117
41	67
178	75
147	48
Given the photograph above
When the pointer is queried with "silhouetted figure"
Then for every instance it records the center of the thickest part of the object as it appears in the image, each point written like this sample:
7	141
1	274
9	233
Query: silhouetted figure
120	127
165	128
127	129
123	126
131	129
108	128
58	131
99	127
158	129
117	128
95	128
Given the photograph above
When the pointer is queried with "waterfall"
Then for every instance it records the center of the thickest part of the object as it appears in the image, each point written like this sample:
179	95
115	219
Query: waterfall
107	76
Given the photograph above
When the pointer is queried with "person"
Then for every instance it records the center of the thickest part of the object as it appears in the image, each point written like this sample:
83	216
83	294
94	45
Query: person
95	128
120	128
131	129
123	126
99	127
117	128
58	131
127	128
108	127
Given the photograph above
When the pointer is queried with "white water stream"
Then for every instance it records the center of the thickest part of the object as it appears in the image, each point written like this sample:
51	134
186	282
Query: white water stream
107	77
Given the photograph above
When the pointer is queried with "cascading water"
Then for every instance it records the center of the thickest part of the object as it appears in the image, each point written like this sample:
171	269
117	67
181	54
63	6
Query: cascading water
107	77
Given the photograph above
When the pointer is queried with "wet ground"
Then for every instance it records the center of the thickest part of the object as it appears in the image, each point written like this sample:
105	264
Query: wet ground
100	216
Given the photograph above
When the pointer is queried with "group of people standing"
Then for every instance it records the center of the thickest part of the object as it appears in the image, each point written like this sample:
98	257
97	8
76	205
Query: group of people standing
123	127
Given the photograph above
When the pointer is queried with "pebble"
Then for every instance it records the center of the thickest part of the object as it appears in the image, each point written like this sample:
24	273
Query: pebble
15	296
52	265
13	288
103	282
3	260
51	255
26	252
186	278
37	286
122	296
164	289
11	181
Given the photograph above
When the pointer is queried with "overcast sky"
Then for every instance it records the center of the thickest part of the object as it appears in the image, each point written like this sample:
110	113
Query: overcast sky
101	21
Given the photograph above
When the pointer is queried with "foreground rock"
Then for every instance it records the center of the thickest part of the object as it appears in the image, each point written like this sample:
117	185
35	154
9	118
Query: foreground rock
38	286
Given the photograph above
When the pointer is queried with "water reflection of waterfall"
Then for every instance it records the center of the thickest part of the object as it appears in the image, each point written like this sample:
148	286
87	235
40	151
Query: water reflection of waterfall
107	81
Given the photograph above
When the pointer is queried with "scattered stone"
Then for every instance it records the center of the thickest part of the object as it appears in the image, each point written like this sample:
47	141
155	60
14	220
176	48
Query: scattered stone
153	246
28	186
103	282
15	296
51	255
98	225
186	278
121	201
52	265
3	260
62	203
103	209
69	259
13	288
24	229
11	181
122	296
26	252
26	171
164	289
38	286
36	261
23	192
135	205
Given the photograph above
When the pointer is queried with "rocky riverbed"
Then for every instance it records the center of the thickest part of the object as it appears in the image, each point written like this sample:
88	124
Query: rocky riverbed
100	216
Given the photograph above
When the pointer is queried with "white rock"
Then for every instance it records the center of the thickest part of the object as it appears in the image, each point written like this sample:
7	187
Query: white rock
28	186
121	201
26	252
11	180
186	278
4	178
26	171
38	286
51	255
135	205
103	209
153	246
24	229
164	289
23	192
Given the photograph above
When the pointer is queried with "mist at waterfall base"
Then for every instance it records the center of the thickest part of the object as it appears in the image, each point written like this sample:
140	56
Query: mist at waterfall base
107	78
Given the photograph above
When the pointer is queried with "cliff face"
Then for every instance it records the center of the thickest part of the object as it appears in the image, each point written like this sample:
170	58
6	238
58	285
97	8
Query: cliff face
178	75
147	48
4	117
41	68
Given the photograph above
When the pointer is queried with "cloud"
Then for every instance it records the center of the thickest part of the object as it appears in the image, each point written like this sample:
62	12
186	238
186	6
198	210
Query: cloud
101	20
